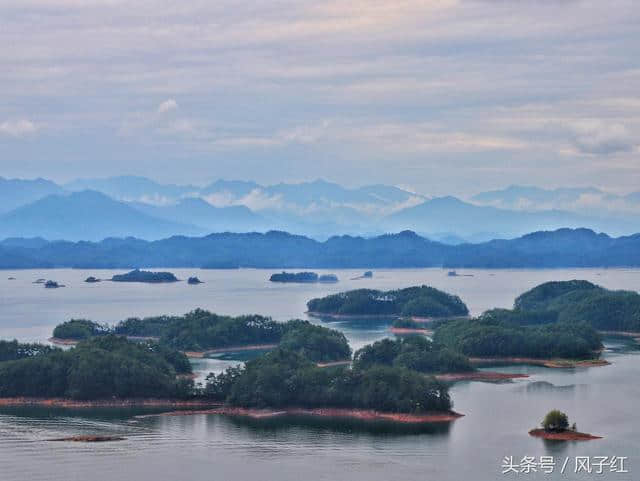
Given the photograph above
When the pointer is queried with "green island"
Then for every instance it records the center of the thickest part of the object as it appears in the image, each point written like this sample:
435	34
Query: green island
110	369
303	277
418	301
283	379
200	331
579	300
555	427
137	275
555	324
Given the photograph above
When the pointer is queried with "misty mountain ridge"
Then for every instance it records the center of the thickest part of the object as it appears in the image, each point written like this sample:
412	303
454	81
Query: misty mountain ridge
571	199
318	209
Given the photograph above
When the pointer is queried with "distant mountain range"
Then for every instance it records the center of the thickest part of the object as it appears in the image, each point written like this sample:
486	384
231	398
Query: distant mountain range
561	248
571	199
94	209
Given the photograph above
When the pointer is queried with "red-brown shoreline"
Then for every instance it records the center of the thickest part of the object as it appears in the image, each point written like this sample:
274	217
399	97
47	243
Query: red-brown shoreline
191	354
550	363
220	350
106	403
567	435
486	376
410	330
361	414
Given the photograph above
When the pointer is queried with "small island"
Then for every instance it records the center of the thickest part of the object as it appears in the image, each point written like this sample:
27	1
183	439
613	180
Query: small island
52	285
555	427
328	278
194	281
294	277
303	277
137	275
419	301
92	280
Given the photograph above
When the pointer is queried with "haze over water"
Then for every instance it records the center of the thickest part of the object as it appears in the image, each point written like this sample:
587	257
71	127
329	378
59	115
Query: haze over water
497	416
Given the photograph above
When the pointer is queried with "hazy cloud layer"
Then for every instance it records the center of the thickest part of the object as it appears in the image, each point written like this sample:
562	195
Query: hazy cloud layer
443	96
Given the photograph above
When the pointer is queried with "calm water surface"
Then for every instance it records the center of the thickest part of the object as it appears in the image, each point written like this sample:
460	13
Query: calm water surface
601	400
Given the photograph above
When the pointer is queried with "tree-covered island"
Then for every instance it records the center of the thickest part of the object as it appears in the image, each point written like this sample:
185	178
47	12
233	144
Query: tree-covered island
419	301
579	300
137	275
111	368
284	379
555	427
303	277
201	331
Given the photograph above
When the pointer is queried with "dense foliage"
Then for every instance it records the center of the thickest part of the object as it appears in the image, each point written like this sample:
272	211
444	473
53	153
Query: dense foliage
555	421
148	327
137	275
490	337
574	301
13	350
422	301
294	277
283	378
316	343
78	329
100	368
415	352
200	330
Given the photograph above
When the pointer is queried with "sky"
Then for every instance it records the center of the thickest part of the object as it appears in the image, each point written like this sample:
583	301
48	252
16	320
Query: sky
438	96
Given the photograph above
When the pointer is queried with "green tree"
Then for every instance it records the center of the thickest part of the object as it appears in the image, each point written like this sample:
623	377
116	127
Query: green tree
555	420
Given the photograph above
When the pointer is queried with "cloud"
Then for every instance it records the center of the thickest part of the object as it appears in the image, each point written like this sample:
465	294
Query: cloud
167	105
18	128
604	138
441	94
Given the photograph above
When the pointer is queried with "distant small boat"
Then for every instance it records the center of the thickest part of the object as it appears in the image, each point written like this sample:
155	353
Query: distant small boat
52	285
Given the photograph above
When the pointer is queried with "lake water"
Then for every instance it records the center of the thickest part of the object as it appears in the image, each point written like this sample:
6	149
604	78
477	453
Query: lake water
206	447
